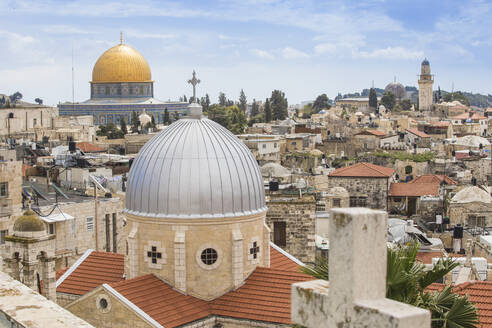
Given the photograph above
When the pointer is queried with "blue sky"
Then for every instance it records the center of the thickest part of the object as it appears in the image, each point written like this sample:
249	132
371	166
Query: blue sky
304	48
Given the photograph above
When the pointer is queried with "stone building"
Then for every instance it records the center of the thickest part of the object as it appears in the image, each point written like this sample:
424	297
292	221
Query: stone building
471	207
426	81
366	183
10	196
292	220
21	121
368	140
266	148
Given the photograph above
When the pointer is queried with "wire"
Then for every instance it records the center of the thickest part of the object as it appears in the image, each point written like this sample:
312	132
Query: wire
38	212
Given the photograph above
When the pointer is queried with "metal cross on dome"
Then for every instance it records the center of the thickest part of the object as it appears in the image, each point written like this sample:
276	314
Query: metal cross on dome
194	81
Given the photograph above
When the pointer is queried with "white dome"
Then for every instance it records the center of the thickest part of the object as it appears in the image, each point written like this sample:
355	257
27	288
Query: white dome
144	118
274	170
195	168
472	194
472	141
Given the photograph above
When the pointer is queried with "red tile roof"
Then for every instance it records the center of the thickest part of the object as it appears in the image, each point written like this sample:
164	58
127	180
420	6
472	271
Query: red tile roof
414	189
88	147
376	133
265	296
363	170
479	293
474	116
98	268
418	133
161	302
426	257
434	178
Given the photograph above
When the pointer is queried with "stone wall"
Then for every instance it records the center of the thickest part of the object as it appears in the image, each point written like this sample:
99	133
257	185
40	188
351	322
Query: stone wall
300	217
459	213
116	313
374	189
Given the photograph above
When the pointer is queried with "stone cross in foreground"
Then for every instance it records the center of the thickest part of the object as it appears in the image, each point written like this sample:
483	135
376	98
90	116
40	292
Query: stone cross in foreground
355	294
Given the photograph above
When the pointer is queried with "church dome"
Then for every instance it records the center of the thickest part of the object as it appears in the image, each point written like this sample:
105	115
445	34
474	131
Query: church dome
28	222
195	168
396	88
121	63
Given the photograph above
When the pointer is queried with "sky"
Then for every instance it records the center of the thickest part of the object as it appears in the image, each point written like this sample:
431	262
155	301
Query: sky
304	48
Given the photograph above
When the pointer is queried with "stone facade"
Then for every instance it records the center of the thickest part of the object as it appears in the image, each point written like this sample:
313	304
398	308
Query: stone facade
116	314
21	121
364	192
11	197
299	217
122	90
185	242
462	212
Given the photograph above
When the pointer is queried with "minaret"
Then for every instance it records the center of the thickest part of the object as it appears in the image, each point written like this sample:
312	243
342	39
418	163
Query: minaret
425	86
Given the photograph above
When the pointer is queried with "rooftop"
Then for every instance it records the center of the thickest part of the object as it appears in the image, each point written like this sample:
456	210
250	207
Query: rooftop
90	271
434	178
414	189
363	170
418	133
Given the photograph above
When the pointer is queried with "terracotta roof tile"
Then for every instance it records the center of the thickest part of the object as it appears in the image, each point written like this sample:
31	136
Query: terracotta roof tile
376	133
474	116
418	133
265	296
98	268
433	178
413	189
88	147
363	170
426	257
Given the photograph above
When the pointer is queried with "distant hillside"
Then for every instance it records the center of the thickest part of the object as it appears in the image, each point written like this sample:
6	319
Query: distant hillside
476	99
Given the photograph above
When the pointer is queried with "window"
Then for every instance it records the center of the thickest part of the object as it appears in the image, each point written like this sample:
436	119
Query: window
103	303
358	201
4	189
263	146
154	255
293	143
274	145
108	236
107	90
254	250
397	199
408	169
51	228
279	234
141	90
3	233
336	202
34	122
89	223
115	233
209	256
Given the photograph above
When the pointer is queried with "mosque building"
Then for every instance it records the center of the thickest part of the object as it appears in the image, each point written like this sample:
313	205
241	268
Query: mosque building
121	85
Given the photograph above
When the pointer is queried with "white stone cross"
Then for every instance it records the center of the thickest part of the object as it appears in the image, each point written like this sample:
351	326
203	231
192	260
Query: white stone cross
194	81
355	294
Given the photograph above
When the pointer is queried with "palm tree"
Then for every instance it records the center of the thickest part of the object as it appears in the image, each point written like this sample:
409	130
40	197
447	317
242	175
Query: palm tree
406	281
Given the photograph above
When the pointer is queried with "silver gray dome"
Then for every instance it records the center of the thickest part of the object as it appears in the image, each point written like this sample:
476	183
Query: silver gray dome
195	168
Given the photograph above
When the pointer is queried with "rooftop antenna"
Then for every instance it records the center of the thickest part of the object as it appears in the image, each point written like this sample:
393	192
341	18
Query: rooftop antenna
121	37
372	85
395	79
73	83
452	87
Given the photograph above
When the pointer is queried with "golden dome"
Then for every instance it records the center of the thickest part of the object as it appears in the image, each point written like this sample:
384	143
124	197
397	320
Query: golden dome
121	63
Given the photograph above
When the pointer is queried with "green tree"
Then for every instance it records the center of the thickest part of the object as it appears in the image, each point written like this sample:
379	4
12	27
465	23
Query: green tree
222	99
321	102
231	117
207	102
406	281
388	100
268	111
111	131
243	102
166	116
135	122
185	99
406	104
39	101
459	96
15	97
152	122
123	126
373	98
279	105
255	109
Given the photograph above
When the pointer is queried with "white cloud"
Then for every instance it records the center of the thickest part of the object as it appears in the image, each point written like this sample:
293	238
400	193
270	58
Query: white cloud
262	54
325	48
390	53
143	35
291	53
65	29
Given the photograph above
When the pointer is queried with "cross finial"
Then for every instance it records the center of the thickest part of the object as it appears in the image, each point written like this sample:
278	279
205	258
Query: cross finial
121	37
194	81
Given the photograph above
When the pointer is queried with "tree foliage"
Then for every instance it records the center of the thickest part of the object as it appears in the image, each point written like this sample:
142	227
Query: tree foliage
166	116
406	104
230	117
279	105
406	282
255	109
458	95
123	126
15	97
268	111
373	98
111	131
243	102
135	122
222	99
38	101
321	102
388	100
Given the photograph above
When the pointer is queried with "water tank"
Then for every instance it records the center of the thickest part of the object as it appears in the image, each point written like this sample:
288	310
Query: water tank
71	146
458	232
273	185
